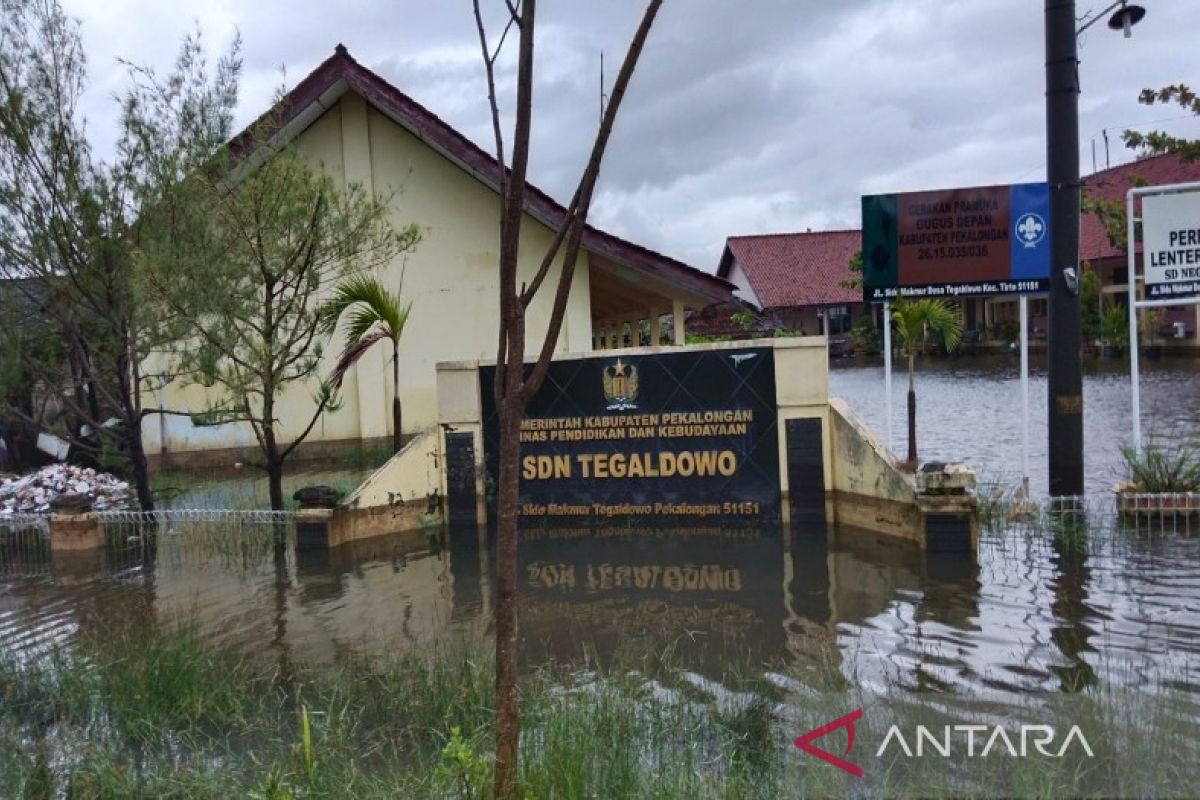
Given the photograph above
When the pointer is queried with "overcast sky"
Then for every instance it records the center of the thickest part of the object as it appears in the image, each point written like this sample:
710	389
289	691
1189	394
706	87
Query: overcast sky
744	117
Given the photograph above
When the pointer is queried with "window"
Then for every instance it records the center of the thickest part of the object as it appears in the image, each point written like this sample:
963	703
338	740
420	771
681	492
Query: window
837	320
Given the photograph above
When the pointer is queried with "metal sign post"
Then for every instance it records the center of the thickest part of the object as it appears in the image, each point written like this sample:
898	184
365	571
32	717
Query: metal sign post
1171	271
1024	304
887	374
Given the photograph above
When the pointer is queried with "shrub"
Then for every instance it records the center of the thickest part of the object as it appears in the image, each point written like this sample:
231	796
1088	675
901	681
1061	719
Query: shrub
1164	470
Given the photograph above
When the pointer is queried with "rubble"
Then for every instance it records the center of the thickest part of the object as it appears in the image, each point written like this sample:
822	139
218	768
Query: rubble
34	493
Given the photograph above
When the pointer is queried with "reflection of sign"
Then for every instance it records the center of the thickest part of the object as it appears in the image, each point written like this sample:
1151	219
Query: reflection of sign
621	386
957	242
707	597
689	436
1171	244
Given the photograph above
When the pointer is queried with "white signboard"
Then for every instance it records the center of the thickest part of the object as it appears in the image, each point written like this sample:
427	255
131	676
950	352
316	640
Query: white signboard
1171	245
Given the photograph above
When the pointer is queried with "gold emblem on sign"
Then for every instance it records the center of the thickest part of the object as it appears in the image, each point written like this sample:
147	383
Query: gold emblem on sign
620	386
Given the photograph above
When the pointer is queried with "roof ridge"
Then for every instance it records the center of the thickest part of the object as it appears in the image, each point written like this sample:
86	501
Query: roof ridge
475	158
792	233
1136	161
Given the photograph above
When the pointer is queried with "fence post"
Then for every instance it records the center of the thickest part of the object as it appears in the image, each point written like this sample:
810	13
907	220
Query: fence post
76	543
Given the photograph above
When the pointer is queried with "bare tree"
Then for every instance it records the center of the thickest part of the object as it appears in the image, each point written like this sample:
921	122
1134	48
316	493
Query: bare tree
515	383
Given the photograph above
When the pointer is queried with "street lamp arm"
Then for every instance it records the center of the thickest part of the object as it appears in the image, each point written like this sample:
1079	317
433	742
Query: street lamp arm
1091	19
1124	18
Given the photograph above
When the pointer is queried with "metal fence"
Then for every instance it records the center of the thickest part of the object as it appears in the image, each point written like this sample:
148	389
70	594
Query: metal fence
247	540
181	515
1003	508
24	544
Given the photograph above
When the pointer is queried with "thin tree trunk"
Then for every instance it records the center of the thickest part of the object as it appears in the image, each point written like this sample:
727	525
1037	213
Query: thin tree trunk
397	433
274	464
912	414
275	481
507	701
513	387
141	470
133	435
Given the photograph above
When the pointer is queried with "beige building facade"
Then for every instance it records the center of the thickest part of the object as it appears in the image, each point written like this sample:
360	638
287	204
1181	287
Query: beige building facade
360	129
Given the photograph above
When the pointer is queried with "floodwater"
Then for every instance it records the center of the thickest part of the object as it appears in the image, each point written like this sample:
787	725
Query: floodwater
969	409
1031	614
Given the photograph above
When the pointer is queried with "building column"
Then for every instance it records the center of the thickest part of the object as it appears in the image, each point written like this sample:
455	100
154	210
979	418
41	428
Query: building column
635	338
677	318
656	327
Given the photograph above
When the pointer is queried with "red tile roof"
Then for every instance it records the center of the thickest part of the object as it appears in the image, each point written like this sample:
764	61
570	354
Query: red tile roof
796	269
1112	184
324	84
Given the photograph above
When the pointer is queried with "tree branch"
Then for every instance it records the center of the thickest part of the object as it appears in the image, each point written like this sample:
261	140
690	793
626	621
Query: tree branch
577	221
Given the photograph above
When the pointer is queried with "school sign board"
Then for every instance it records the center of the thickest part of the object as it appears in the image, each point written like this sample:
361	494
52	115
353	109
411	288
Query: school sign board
1171	245
978	241
652	438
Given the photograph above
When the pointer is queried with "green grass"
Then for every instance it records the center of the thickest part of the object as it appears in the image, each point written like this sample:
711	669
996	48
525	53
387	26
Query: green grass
167	712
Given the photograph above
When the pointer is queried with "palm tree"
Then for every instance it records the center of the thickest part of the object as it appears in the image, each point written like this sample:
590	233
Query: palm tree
919	323
374	314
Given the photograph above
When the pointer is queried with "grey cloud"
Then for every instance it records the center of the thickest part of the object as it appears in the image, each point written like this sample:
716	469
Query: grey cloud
744	117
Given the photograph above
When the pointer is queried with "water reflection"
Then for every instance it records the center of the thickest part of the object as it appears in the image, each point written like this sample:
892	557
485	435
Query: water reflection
1073	628
1031	613
959	397
708	595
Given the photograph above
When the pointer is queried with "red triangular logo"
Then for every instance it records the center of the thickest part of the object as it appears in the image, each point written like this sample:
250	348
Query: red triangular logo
805	742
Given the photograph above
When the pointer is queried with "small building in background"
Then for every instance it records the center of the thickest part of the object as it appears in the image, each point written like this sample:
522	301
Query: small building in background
801	282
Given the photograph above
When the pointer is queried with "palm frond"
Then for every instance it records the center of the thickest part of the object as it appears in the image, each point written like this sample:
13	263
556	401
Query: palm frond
400	321
918	320
351	354
363	292
359	321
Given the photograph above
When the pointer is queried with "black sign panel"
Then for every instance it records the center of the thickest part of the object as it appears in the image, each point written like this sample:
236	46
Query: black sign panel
688	437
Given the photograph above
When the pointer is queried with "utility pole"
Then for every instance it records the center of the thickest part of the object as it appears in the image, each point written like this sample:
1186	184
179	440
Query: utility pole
1062	168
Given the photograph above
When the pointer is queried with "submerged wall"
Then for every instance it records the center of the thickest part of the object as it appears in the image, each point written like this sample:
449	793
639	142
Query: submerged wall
870	491
831	468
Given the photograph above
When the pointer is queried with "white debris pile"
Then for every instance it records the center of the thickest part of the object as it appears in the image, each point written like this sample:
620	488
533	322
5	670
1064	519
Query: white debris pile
33	493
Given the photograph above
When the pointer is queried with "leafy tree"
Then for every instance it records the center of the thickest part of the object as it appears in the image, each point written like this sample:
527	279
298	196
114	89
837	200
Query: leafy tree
855	267
247	275
374	315
1112	213
866	336
744	319
856	272
516	383
1157	142
918	324
1089	303
1150	323
72	224
1114	323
